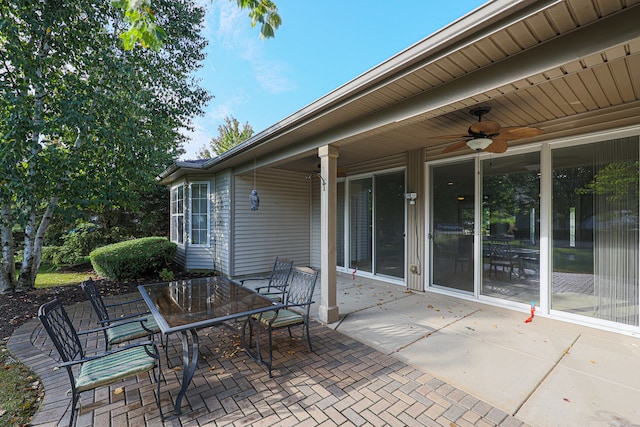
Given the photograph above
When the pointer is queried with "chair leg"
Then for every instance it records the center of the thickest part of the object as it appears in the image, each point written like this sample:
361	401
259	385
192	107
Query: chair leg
74	402
306	326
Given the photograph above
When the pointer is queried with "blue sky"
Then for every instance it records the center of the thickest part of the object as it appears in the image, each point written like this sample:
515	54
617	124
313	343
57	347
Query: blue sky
320	46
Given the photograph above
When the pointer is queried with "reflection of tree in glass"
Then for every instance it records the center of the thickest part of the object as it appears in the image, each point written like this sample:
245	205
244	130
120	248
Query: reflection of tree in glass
509	195
617	181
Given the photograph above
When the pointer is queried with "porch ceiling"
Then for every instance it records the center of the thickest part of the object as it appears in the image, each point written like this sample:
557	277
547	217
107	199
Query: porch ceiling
569	69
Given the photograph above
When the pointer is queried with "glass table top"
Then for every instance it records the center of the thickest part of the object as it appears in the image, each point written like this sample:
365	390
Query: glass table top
201	302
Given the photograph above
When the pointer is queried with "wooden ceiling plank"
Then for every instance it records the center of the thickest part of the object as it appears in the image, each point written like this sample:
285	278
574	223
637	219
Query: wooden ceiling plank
595	89
522	35
608	84
633	64
560	18
583	11
476	56
540	27
581	92
567	94
558	100
622	79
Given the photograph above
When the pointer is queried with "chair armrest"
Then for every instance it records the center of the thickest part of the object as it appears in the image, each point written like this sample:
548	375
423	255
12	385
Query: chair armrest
113	351
112	325
246	279
116	304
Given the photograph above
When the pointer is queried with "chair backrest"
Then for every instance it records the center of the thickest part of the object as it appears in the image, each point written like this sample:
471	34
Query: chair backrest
56	322
90	288
280	274
501	250
301	286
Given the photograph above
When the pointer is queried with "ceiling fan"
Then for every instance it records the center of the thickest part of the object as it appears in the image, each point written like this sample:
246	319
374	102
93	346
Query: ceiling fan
488	135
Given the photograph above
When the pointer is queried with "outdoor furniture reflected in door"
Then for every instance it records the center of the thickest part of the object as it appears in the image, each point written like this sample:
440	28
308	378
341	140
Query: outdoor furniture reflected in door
188	305
90	372
501	255
278	280
297	305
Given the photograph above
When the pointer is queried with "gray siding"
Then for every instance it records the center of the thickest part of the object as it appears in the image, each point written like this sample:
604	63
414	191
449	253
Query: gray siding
221	223
280	227
315	223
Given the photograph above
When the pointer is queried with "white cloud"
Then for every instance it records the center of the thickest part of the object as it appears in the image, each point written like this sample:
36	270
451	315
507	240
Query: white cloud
235	34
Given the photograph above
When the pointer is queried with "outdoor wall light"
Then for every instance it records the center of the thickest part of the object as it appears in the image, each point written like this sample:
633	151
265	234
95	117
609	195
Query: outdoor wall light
479	144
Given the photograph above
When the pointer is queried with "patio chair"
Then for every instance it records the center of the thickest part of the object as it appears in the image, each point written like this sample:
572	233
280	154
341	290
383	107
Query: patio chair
90	372
297	305
120	332
278	280
501	255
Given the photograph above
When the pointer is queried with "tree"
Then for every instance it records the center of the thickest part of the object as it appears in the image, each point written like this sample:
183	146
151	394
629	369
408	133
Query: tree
82	121
229	135
144	28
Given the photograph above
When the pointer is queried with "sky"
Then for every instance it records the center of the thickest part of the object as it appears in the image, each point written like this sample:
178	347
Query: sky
320	46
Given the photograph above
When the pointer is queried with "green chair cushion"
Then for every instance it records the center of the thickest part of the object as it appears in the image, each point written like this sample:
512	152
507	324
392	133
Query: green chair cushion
285	318
132	330
114	367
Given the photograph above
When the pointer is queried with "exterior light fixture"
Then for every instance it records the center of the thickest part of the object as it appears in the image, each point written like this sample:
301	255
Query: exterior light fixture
479	144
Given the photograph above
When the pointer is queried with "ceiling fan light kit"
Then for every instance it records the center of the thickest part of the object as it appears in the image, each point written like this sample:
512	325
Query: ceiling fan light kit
479	144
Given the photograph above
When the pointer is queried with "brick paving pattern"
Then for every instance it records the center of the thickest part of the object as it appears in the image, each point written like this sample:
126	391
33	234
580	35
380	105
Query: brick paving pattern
343	382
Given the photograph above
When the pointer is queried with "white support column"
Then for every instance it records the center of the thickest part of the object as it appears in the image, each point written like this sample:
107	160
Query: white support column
328	310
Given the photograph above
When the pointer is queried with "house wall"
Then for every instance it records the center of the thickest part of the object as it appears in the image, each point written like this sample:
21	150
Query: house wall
280	227
221	222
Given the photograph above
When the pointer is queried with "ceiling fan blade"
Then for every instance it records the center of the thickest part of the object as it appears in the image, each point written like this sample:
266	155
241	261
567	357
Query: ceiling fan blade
499	145
450	136
519	132
455	146
487	127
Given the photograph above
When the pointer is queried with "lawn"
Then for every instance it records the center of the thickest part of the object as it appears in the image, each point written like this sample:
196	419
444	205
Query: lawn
50	276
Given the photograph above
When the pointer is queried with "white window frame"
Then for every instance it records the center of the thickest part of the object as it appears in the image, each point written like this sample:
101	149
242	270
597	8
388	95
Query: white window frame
207	239
177	213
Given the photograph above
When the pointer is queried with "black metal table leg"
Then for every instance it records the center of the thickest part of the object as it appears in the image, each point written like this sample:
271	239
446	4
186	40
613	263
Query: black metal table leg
188	368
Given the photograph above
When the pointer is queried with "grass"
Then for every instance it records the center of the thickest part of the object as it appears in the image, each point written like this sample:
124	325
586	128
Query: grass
49	276
21	391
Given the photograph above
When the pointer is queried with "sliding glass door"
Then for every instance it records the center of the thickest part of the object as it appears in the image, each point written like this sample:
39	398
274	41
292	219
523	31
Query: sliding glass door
511	228
595	230
452	225
376	222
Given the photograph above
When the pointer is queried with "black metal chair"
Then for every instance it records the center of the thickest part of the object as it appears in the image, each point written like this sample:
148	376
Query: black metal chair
90	372
278	280
297	305
501	255
120	332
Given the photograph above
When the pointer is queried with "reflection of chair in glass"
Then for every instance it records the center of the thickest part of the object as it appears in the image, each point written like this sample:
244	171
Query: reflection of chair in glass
501	255
90	372
278	280
464	254
297	305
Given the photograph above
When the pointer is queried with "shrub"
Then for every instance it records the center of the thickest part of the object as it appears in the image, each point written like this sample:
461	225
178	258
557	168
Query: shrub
133	259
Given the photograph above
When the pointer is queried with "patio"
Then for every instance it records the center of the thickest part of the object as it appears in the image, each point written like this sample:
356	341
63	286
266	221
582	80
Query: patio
394	358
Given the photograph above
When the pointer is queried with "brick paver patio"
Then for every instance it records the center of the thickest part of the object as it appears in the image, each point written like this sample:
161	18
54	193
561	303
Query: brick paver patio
344	382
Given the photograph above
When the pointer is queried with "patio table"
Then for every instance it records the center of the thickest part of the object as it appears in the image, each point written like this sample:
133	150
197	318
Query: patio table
188	305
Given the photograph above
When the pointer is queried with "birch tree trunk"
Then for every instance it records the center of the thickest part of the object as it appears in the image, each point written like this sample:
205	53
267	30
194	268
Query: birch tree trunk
33	244
8	265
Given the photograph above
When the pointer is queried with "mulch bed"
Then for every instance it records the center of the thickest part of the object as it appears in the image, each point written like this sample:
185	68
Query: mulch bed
18	308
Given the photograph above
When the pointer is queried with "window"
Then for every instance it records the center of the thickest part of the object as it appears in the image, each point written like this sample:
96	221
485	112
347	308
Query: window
177	214
200	213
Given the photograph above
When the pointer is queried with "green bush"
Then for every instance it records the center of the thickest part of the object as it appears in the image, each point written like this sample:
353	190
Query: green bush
79	242
133	259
